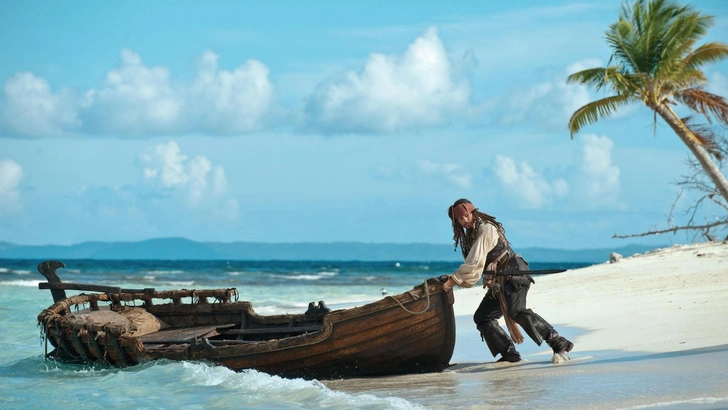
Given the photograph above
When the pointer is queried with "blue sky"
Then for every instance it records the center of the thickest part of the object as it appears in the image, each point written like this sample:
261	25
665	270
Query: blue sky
322	121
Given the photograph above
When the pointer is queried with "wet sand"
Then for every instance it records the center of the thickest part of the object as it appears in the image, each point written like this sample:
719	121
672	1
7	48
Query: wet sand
696	379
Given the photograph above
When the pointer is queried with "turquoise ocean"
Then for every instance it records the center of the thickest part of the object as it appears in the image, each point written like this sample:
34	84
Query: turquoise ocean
28	381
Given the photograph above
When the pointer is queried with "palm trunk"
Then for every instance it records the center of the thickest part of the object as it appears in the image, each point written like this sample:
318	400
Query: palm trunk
698	150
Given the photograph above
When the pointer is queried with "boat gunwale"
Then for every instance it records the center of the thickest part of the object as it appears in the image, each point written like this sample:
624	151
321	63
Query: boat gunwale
57	309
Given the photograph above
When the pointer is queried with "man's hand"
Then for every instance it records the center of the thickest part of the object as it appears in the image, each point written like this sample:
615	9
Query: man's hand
449	283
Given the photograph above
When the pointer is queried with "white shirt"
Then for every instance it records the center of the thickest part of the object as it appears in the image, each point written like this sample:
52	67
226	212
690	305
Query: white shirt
470	271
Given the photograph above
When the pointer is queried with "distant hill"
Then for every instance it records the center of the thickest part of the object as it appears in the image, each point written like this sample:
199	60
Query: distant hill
185	249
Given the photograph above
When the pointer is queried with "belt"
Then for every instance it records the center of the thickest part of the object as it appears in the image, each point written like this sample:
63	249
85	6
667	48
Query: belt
496	265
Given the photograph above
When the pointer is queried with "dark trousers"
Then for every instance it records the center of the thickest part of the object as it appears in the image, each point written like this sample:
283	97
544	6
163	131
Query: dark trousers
489	311
515	290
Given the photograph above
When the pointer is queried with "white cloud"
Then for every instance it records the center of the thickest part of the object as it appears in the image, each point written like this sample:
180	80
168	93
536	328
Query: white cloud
592	184
230	102
136	100
202	185
450	172
141	101
522	182
11	173
548	104
31	108
600	176
391	92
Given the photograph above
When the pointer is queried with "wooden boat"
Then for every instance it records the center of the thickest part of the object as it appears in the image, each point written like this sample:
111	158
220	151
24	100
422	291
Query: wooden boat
413	332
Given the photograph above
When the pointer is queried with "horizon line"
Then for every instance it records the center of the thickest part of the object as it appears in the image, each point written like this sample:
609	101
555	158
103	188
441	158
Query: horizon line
320	243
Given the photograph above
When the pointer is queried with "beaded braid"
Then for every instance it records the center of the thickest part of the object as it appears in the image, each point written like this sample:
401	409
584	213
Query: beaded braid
465	238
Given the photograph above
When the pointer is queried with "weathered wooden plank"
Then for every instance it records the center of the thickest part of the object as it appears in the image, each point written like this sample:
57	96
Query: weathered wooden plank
183	335
273	330
48	270
79	286
348	344
93	345
91	288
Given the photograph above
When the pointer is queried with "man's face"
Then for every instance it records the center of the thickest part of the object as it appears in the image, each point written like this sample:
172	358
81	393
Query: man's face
466	221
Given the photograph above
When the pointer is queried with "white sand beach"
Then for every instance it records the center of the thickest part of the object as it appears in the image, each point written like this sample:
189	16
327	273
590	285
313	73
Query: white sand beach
667	300
649	331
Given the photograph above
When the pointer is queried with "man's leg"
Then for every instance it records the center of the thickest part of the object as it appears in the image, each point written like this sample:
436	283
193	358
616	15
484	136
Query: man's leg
537	328
486	319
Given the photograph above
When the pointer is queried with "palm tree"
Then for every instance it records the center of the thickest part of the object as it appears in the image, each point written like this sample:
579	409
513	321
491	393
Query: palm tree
655	62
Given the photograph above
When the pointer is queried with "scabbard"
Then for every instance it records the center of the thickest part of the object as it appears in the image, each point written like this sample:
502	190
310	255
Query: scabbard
518	272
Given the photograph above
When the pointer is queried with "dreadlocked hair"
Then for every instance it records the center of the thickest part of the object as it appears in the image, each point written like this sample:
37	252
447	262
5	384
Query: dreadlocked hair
466	237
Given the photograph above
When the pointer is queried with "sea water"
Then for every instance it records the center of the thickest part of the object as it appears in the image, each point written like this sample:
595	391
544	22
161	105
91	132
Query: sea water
28	381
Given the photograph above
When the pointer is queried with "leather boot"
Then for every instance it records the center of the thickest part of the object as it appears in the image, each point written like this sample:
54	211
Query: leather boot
498	342
537	328
560	345
510	355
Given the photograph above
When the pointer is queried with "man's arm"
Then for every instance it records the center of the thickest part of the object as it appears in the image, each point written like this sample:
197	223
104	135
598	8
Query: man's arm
469	272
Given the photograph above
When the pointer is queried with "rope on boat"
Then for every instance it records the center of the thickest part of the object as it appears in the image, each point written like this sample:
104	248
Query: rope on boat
427	293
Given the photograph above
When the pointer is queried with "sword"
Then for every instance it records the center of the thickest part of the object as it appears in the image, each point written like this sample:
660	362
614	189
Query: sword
516	272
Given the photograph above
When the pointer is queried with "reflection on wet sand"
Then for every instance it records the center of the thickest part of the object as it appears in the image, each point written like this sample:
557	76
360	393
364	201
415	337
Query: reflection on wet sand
694	379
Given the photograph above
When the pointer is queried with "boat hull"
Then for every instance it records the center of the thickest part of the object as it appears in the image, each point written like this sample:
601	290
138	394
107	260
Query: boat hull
413	332
383	339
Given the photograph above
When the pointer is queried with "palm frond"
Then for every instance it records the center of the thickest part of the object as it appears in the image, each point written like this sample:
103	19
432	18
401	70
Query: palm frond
707	53
619	36
671	60
705	136
595	77
610	77
682	27
654	61
682	80
595	110
652	37
650	23
704	103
